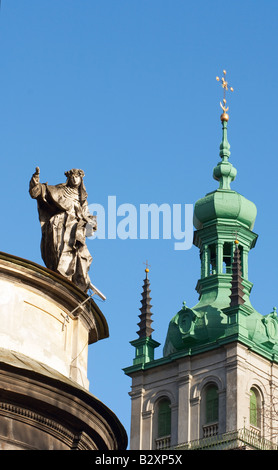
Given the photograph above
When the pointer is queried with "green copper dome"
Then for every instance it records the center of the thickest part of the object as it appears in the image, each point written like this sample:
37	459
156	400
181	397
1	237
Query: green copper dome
224	204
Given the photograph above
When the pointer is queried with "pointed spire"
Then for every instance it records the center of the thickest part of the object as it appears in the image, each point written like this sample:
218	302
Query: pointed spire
145	330
237	292
145	344
224	146
224	172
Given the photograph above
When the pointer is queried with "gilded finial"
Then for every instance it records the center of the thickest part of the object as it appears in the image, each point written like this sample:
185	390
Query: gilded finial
224	115
147	269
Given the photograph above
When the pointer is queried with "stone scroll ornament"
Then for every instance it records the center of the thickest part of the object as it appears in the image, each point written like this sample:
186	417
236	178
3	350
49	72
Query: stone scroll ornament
65	223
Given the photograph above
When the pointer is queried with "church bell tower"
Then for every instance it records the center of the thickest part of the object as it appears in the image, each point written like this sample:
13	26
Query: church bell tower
217	380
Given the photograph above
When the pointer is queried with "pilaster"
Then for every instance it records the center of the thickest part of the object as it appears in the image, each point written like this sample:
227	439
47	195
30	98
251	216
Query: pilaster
136	434
184	417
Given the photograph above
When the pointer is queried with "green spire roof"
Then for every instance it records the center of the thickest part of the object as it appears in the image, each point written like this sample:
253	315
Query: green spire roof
224	203
224	172
224	312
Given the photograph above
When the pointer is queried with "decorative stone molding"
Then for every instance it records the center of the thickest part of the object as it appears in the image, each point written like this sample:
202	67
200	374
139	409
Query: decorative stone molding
48	411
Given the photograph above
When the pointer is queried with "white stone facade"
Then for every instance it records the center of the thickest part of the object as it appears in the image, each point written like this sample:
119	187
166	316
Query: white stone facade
233	368
35	326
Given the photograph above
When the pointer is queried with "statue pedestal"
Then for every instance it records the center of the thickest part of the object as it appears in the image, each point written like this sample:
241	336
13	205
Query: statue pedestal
41	317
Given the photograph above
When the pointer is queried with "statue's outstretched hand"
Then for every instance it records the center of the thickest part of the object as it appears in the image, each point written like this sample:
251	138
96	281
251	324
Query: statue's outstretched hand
34	186
36	176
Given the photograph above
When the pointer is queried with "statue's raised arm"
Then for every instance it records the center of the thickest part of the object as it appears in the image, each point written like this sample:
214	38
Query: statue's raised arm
34	185
64	216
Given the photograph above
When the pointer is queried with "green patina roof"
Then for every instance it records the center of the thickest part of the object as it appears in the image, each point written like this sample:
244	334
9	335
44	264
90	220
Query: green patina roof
224	204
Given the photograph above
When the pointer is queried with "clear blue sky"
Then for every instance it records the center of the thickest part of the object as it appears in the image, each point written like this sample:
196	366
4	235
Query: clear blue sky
126	90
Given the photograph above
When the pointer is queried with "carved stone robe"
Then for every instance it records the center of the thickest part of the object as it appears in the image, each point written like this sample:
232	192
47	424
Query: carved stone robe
64	218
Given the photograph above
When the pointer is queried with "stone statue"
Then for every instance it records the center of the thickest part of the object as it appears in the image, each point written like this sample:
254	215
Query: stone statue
65	222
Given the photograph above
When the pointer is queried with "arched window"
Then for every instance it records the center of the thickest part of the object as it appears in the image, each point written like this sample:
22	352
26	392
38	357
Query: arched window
211	403
209	410
164	418
255	408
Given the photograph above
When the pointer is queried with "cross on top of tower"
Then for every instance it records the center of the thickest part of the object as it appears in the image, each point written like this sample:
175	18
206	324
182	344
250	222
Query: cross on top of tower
225	88
147	266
